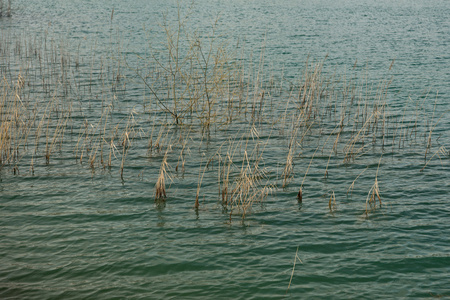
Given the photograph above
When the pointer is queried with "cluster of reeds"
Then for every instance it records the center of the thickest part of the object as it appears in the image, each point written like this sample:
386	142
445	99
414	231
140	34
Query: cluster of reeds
55	101
47	92
189	75
243	180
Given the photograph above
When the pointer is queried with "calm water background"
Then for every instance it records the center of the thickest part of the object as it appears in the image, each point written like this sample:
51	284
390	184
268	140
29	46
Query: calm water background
68	232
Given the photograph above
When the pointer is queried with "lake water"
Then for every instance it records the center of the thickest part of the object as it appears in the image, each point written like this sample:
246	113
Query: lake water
71	227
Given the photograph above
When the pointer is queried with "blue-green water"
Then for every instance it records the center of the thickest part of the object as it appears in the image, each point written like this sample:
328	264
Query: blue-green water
69	230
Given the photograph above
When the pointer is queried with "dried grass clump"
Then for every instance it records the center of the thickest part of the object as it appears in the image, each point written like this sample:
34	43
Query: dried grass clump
160	187
332	203
15	122
243	182
372	196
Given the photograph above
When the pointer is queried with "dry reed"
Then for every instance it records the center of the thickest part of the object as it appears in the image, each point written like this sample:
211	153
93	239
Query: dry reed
293	268
160	186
